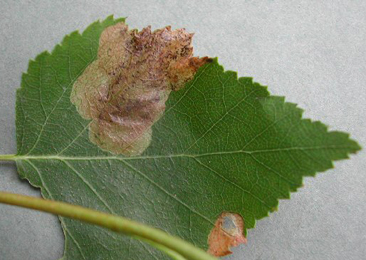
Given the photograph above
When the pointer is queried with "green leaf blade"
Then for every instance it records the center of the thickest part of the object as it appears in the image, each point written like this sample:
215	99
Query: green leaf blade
223	144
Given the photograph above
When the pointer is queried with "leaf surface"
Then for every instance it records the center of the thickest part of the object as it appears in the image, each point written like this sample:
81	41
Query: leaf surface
223	145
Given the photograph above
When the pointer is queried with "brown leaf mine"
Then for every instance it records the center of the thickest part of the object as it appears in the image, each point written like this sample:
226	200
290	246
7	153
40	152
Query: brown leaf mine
227	232
124	91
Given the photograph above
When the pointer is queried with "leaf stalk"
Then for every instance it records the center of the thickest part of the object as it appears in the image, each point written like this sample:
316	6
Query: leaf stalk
153	236
7	157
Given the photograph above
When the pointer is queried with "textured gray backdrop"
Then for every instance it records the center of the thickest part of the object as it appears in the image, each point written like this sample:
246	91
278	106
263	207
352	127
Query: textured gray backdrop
312	52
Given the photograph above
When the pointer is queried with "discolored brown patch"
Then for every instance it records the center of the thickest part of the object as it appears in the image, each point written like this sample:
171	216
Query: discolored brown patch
227	232
124	91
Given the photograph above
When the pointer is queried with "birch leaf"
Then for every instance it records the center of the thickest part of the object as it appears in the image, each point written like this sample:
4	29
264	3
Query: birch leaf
220	149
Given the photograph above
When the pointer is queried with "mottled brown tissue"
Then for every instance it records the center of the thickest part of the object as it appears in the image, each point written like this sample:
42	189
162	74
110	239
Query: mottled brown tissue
227	233
124	91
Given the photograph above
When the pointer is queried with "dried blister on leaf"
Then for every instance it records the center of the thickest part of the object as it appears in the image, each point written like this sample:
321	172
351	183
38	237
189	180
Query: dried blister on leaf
227	232
124	91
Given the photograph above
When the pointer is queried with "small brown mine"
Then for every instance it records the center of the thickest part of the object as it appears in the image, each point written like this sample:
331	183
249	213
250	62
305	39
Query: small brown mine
227	232
125	89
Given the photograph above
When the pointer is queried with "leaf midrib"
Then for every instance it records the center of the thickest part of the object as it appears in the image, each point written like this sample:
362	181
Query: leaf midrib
169	156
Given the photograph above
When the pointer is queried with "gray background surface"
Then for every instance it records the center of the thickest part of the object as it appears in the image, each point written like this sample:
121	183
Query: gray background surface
312	52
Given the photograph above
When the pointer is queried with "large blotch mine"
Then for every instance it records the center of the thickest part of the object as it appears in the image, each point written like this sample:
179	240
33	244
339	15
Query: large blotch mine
123	92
